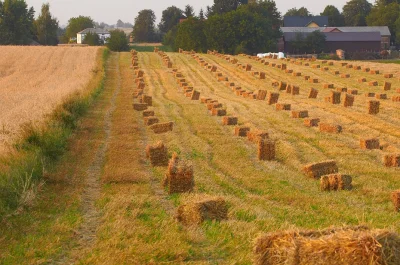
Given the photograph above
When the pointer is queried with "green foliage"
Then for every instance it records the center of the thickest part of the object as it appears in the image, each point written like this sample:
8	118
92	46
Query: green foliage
383	14
224	6
16	23
150	48
190	35
301	12
189	11
77	24
170	18
46	27
144	28
312	43
118	41
92	39
335	18
355	12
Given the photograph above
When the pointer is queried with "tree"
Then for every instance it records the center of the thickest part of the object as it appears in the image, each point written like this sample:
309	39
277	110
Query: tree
121	24
312	43
117	41
335	18
301	12
46	27
170	18
144	29
355	12
201	14
189	11
190	35
92	39
224	6
383	14
16	23
77	24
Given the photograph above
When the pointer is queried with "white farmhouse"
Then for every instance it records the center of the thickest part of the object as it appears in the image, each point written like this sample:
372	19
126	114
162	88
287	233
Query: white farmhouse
103	34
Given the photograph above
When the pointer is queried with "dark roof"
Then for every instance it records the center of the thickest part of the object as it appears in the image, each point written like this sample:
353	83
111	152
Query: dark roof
384	30
290	21
94	30
340	36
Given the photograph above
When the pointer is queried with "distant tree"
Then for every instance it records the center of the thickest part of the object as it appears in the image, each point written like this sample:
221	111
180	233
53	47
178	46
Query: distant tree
301	12
383	14
120	24
201	14
224	6
77	24
16	23
335	18
102	25
190	35
144	28
315	42
117	41
189	11
170	18
355	12
208	11
92	39
46	27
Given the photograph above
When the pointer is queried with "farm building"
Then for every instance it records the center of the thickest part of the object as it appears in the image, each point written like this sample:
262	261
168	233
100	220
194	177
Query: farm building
349	39
103	34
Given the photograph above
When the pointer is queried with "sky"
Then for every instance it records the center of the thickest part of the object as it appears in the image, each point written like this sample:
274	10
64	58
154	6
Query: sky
126	10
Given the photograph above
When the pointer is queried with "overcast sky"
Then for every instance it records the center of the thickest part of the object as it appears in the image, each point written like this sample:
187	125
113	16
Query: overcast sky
126	10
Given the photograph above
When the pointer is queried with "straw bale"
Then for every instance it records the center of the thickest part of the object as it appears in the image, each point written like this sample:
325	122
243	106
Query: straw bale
230	84
325	69
289	71
297	74
273	64
261	94
179	177
396	98
196	212
213	105
282	85
289	88
328	86
306	77
140	106
241	131
313	93
266	63
204	99
137	93
345	75
284	66
334	98
148	113
335	182
162	127
213	69
373	83
330	63
157	154
349	66
150	120
398	90
138	80
141	85
180	80
222	78
353	91
147	99
272	98
374	72
306	64
139	73
316	66
330	128
387	86
257	135
195	95
313	80
299	114
218	74
255	73
362	80
366	69
381	96
283	106
357	67
391	160
388	75
229	120
248	67
348	100
341	89
317	170
373	107
371	143
218	112
266	149
370	94
262	75
396	200
311	122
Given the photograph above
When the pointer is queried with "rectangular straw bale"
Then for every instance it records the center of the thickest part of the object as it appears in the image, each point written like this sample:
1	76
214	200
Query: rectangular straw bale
179	177
213	69
345	75
373	83
261	94
213	105
317	170
218	74
306	77
255	73
272	98
266	150
370	95
222	78
141	85
137	93
283	106
162	127
229	120
299	114
371	143
148	113
297	74
388	75
289	71
396	98
150	120
333	182
313	93
366	69
341	89
262	75
204	99
311	122
330	128
373	107
157	154
336	72
391	160
343	64
218	112
353	91
387	86
325	69
273	64
289	88
348	100
248	67
313	80
195	95
282	85
328	86
357	67
349	66
381	96
255	136
362	80
147	99
229	84
284	66
374	72
196	212
330	63
241	131
335	97
316	66
140	106
395	196
295	90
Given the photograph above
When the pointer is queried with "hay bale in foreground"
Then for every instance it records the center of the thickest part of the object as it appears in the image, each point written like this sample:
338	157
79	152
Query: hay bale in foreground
147	99
317	170
372	143
391	160
241	131
261	94
313	93
373	107
162	127
396	98
311	122
195	95
196	212
229	120
157	154
283	106
334	246
218	112
266	149
140	106
336	182
179	177
387	86
257	135
150	120
300	114
148	113
272	98
348	100
396	200
330	128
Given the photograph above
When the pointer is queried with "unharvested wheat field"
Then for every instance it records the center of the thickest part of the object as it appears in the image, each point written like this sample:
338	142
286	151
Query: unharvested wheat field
34	80
129	217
